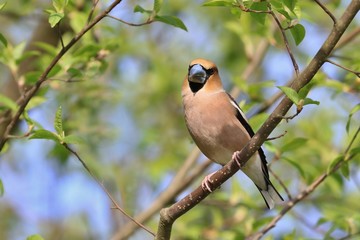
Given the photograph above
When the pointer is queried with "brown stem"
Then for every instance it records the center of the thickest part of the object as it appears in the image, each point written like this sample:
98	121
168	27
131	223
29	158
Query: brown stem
170	214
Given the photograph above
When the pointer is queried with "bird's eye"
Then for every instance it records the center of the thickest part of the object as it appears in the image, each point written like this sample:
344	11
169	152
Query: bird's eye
209	72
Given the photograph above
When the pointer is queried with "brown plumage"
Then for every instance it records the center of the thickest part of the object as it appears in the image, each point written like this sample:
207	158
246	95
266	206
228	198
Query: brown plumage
218	126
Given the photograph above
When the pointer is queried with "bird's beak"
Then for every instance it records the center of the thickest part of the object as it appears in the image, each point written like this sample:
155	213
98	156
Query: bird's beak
197	74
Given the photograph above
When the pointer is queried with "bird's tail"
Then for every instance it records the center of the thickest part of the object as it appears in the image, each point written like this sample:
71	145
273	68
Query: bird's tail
271	196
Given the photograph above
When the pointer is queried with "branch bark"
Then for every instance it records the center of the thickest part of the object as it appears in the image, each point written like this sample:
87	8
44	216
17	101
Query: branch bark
170	214
183	179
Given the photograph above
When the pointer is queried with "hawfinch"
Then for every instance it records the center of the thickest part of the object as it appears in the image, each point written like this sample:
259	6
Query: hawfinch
219	127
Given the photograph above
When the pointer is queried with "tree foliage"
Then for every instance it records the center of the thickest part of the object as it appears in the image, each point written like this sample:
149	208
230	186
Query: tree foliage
98	83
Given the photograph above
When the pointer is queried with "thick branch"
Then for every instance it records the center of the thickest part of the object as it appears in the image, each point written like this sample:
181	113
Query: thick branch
169	215
183	179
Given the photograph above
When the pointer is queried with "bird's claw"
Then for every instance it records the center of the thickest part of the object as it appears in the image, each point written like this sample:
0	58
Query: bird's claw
236	158
205	184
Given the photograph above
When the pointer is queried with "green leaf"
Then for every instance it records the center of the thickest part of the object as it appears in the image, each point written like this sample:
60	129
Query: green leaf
297	165
334	162
355	151
2	189
32	77
8	103
290	4
294	144
55	18
55	70
73	72
345	170
2	5
303	92
45	134
298	33
59	5
3	40
35	101
157	5
171	20
35	237
50	49
73	139
259	6
291	94
58	125
140	9
352	112
217	4
308	101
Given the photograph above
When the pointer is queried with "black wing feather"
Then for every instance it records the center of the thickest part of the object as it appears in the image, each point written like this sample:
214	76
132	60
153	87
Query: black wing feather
250	131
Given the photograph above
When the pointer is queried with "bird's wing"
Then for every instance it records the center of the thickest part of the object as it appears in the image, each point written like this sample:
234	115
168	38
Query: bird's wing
241	117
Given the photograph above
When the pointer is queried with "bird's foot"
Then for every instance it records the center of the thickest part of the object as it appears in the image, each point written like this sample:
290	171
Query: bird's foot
205	184
236	158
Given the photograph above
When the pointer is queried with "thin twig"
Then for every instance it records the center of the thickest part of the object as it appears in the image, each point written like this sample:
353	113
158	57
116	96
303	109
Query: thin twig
327	11
279	136
281	183
345	68
306	192
296	67
60	35
25	98
95	2
104	189
148	21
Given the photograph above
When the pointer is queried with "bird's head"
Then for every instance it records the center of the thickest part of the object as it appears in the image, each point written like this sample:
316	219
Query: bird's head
201	72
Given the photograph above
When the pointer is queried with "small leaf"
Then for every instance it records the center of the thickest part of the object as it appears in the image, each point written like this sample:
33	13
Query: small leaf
73	139
32	77
59	5
345	170
45	134
3	40
259	6
157	5
290	4
308	101
2	5
294	144
334	162
55	18
303	92
296	165
73	72
217	4
35	101
298	33
55	70
58	122
291	94
35	237
355	151
2	190
47	48
140	9
8	103
352	112
171	20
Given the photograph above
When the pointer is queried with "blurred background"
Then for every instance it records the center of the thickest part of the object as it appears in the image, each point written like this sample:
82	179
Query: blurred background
122	97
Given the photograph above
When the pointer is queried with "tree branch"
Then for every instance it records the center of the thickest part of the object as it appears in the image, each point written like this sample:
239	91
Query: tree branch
290	204
24	99
170	214
182	180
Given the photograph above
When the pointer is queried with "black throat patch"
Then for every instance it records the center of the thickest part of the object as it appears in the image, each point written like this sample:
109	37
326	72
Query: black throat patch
195	87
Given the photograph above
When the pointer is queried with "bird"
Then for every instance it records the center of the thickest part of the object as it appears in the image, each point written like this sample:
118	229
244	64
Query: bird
219	127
